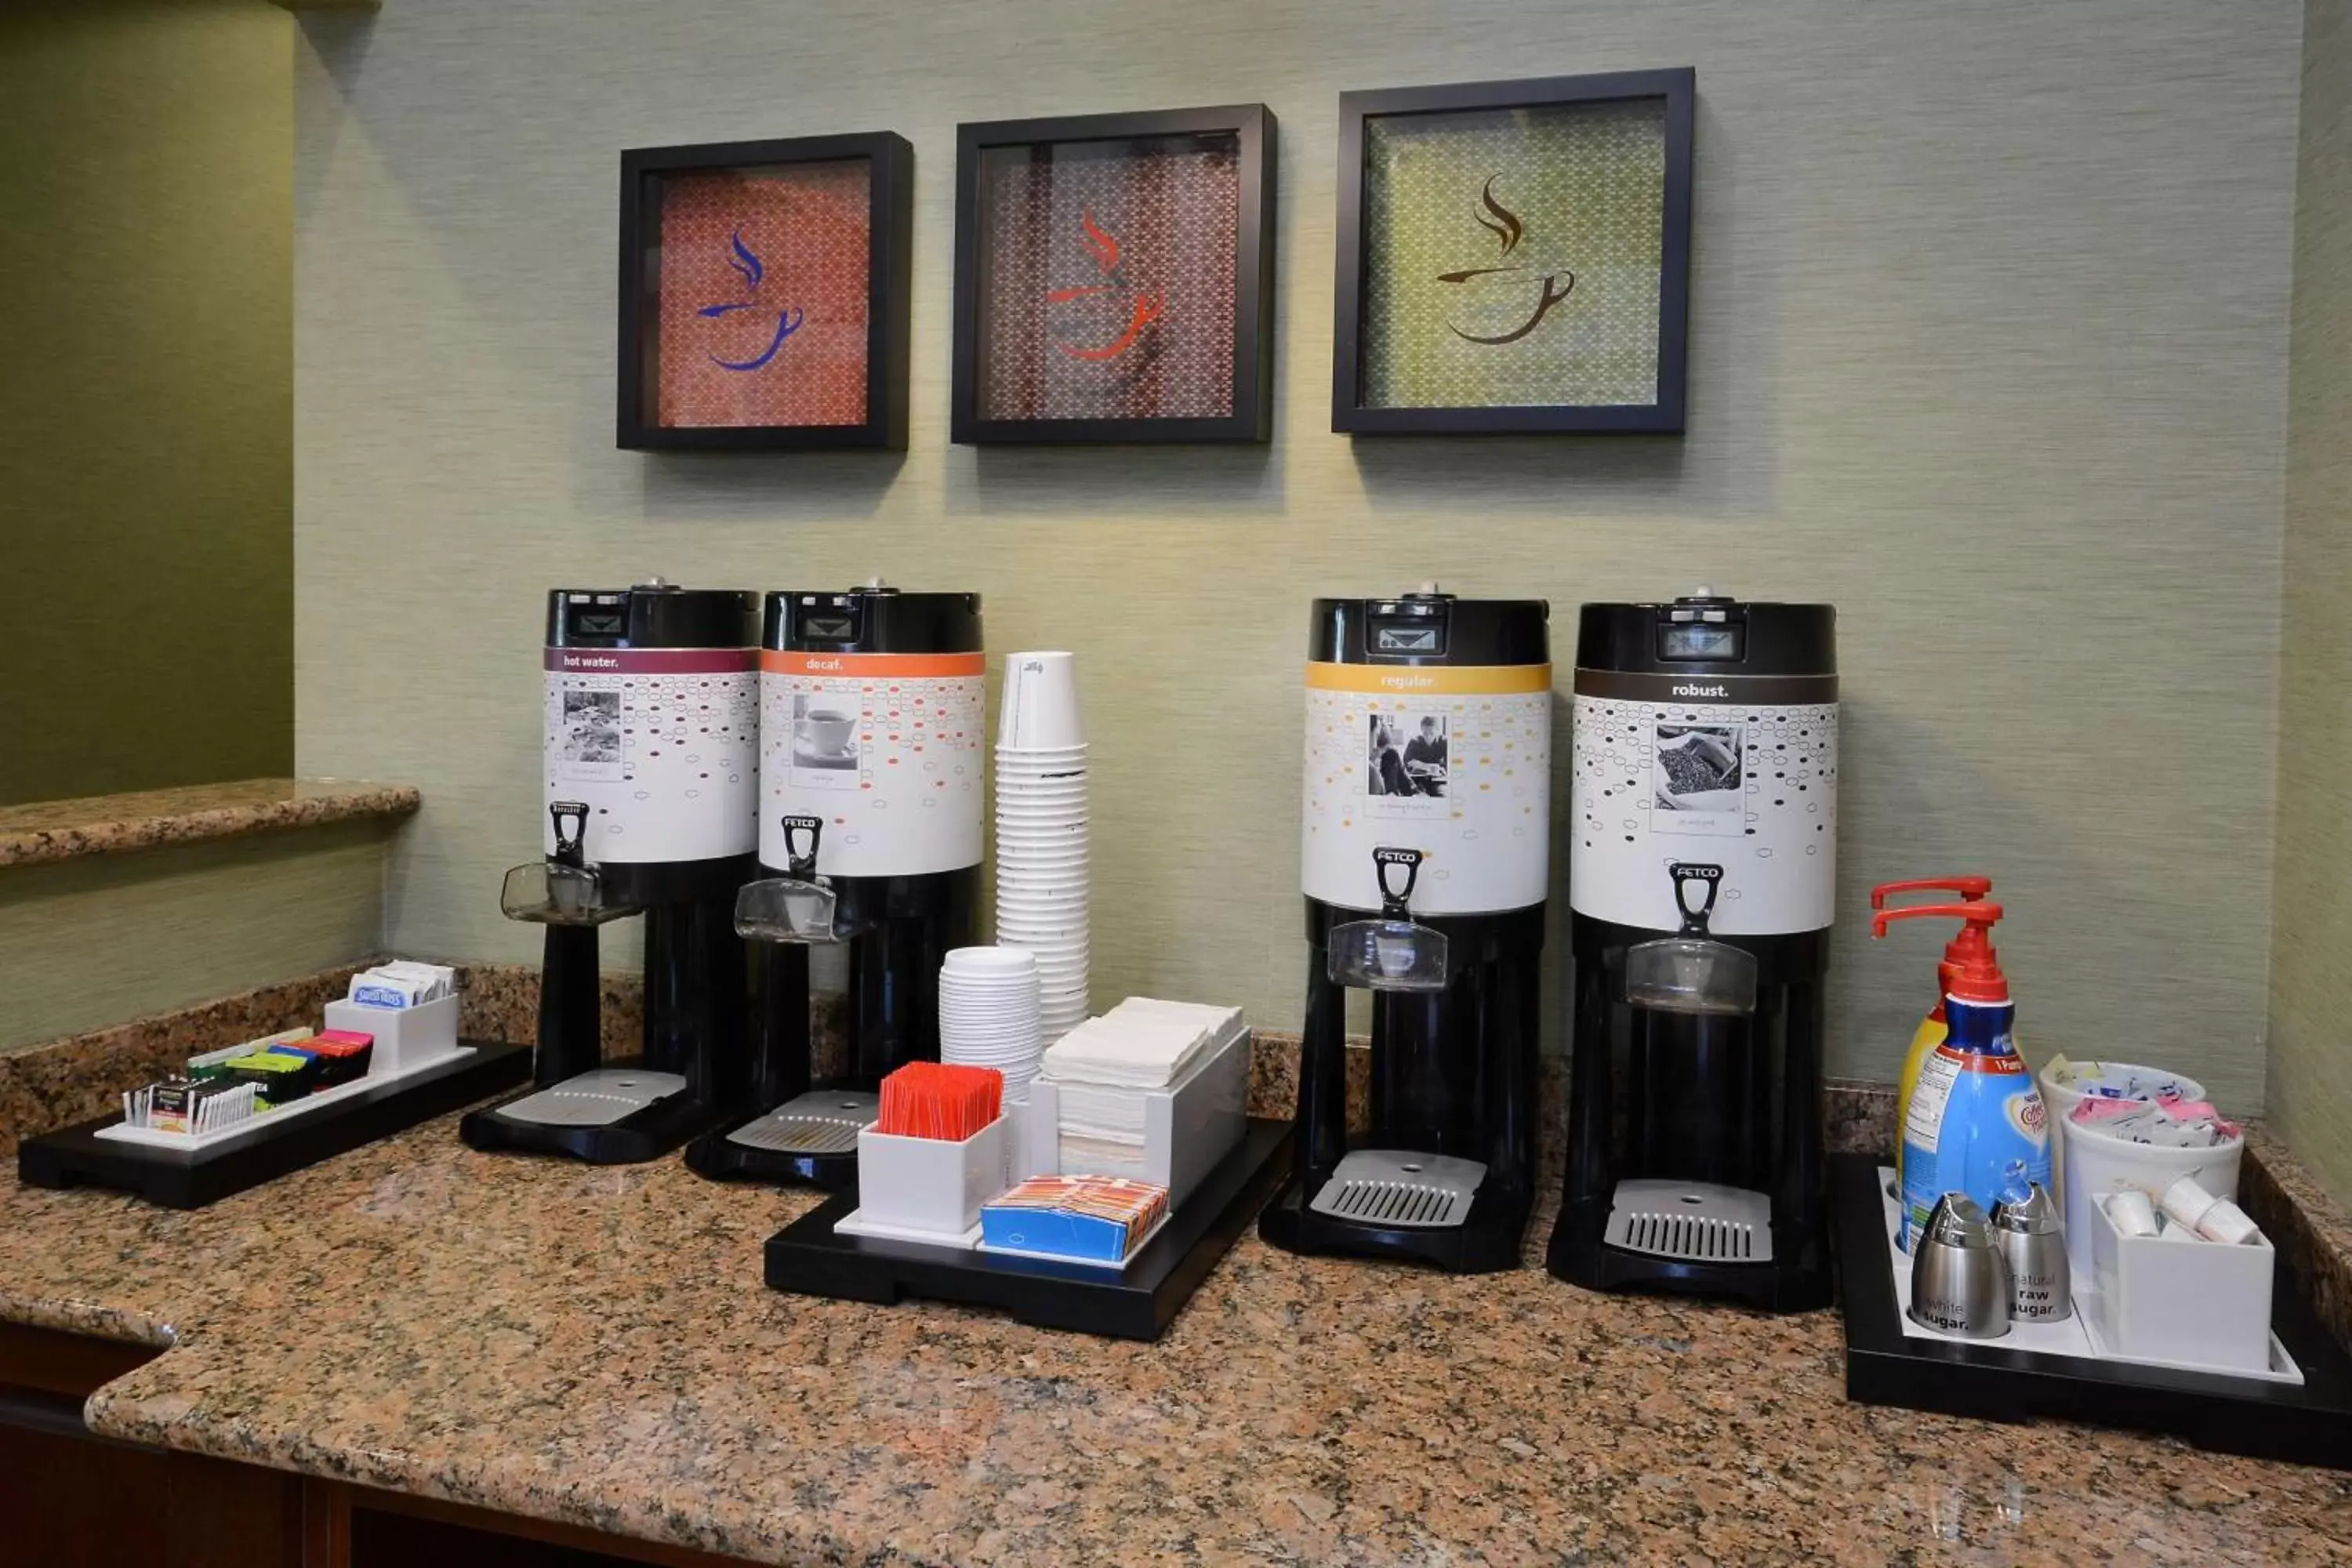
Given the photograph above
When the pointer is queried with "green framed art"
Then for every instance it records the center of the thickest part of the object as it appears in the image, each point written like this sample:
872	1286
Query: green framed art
1515	256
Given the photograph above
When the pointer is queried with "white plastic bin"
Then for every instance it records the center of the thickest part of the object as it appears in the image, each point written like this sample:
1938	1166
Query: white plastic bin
2060	1101
2193	1303
2099	1166
406	1038
928	1185
1188	1128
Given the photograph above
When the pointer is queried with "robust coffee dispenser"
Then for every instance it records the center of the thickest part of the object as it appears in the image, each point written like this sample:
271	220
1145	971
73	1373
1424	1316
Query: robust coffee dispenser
1426	854
872	829
1702	876
651	770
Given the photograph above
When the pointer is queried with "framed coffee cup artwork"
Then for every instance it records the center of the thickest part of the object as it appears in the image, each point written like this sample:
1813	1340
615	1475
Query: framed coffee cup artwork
764	294
1513	256
1114	278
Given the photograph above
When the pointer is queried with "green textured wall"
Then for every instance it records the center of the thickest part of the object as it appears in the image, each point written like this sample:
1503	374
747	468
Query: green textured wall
146	390
2311	927
1989	346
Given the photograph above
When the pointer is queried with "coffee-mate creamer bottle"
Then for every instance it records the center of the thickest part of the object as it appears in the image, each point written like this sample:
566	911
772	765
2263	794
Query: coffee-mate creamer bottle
1932	1028
1975	1117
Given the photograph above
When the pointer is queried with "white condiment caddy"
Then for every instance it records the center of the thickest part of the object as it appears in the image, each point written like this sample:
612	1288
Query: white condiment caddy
2144	1322
409	1040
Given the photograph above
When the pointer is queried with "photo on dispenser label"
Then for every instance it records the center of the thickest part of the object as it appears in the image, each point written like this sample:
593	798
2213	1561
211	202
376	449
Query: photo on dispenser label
592	727
824	741
1698	777
1408	756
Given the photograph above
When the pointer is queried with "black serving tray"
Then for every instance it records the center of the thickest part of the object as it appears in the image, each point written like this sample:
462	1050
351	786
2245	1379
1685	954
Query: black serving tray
189	1179
2310	1425
1137	1302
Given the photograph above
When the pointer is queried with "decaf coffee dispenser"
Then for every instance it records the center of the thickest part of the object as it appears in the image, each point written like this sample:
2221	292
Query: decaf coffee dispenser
652	778
872	829
1702	876
1425	855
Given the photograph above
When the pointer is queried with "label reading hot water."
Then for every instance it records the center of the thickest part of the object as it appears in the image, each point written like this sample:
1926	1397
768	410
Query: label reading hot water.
886	749
1451	760
661	745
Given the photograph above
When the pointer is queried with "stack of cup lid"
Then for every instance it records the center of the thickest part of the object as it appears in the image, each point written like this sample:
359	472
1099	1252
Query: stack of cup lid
988	1014
1041	831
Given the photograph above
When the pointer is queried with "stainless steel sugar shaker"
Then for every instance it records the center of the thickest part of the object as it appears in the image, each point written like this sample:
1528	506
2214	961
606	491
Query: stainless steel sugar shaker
2032	1242
1960	1281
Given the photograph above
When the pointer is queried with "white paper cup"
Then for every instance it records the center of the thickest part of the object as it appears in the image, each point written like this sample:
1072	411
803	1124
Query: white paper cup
997	959
1041	701
2060	1101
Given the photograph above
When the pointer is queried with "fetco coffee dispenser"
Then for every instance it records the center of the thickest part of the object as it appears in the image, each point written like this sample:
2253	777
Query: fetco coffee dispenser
652	777
872	829
1702	875
1425	855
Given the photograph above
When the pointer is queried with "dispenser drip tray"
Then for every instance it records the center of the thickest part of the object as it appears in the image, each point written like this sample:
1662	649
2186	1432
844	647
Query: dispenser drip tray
1699	1221
822	1121
597	1098
1401	1187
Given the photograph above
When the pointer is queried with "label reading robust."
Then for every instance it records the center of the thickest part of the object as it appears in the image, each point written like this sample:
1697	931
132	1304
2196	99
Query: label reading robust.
1739	771
662	744
886	748
1453	761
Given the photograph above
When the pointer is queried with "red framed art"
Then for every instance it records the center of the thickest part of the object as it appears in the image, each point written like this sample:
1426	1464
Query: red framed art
764	294
1114	278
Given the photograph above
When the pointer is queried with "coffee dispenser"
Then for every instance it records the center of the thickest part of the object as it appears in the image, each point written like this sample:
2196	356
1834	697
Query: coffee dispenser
1702	876
872	829
1425	851
651	766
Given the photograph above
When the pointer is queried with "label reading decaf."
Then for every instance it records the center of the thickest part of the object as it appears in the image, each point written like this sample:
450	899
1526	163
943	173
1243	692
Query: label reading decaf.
885	749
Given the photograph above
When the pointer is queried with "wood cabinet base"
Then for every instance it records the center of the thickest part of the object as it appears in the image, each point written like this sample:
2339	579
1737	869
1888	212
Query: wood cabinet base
68	1498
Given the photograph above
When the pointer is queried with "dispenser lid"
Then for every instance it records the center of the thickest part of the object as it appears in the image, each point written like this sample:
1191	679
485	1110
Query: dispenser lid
874	619
1430	627
652	615
1707	633
1957	1220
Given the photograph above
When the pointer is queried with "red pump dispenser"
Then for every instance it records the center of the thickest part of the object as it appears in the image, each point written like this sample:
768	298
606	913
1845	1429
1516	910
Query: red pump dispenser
1971	889
1971	969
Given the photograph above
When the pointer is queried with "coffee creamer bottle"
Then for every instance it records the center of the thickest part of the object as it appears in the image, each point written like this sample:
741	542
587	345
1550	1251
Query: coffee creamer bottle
1932	1028
1974	1116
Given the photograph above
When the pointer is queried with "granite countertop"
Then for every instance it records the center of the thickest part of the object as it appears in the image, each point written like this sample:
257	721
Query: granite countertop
112	823
594	1346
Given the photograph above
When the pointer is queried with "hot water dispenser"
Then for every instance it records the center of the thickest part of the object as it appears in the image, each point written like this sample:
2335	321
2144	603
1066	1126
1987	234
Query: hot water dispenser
1425	851
1702	876
651	767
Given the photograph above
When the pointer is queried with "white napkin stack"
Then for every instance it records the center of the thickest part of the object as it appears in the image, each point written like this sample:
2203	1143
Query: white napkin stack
1107	1069
1141	1044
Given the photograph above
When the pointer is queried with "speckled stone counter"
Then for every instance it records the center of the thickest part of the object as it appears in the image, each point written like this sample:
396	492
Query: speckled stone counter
593	1346
114	824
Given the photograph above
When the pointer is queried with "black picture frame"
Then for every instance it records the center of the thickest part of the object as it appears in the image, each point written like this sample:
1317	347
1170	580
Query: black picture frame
1251	418
1678	88
890	194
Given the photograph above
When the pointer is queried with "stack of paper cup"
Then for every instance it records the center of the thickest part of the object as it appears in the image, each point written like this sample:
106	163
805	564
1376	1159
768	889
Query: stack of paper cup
988	1014
1041	831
